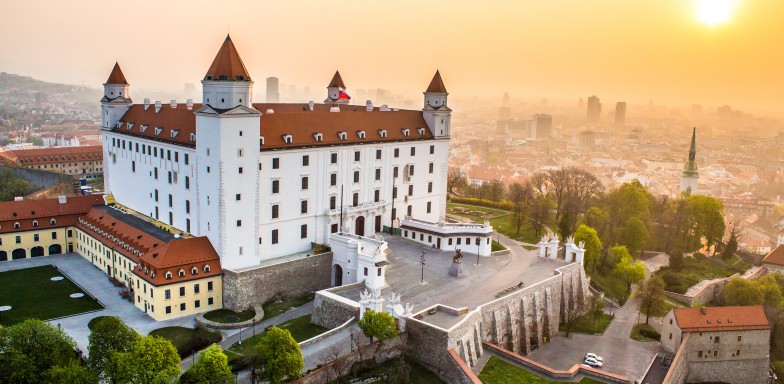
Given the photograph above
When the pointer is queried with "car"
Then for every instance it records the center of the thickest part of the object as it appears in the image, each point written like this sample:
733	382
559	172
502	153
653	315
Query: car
594	356
593	362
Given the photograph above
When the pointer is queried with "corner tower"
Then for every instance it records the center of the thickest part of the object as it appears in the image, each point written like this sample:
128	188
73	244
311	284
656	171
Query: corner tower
227	161
116	101
436	112
690	175
335	90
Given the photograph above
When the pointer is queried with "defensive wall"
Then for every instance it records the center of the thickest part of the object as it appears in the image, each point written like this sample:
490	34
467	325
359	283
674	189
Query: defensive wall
40	178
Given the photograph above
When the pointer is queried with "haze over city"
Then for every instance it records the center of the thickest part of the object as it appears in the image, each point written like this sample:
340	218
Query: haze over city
669	52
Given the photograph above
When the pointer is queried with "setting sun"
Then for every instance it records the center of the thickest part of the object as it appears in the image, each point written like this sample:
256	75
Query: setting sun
714	12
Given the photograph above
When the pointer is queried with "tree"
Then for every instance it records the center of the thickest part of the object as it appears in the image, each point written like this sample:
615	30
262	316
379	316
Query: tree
571	317
732	244
212	367
596	309
12	186
280	356
676	260
740	291
593	246
627	201
29	349
35	140
520	195
706	218
379	325
496	191
635	235
73	373
109	335
632	271
455	180
649	296
152	360
540	214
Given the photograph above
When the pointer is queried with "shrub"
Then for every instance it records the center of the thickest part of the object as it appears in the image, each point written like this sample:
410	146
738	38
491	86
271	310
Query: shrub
506	205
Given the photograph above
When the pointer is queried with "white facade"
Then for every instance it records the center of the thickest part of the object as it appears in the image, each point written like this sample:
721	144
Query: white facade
467	237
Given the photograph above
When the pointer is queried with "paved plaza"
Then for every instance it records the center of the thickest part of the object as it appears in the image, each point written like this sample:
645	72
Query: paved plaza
96	283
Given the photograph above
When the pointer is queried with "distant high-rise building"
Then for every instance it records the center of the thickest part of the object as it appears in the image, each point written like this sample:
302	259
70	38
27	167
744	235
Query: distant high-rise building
273	90
505	99
690	176
594	109
542	125
587	139
620	113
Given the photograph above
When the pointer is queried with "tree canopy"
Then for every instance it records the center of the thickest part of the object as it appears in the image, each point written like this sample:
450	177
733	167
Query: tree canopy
593	246
279	355
152	360
109	335
378	325
649	296
212	367
631	270
31	350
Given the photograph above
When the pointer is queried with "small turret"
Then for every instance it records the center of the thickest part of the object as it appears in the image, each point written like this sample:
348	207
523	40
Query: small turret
336	90
227	83
116	99
436	112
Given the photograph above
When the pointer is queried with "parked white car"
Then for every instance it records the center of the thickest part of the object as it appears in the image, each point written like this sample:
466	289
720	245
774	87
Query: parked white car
594	356
593	362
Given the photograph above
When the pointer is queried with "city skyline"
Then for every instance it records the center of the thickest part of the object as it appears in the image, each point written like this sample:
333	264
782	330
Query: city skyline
557	50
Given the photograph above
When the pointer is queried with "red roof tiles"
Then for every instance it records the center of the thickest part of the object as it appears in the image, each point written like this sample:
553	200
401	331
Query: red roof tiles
775	256
116	77
721	318
54	155
436	85
337	81
227	64
42	211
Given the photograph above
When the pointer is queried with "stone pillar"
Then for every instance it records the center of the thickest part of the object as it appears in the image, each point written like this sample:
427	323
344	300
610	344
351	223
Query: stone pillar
543	246
553	247
580	253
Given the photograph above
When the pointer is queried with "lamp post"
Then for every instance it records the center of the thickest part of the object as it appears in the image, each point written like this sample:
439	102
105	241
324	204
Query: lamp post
392	213
240	335
477	251
422	262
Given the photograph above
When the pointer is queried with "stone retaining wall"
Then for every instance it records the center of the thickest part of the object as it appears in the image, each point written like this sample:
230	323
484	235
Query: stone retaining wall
331	310
40	178
242	324
289	279
460	373
390	349
500	253
326	334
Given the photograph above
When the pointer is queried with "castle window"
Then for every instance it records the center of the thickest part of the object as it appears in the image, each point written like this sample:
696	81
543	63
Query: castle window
261	140
174	133
421	131
206	269
158	130
181	273
432	149
143	128
35	223
383	133
17	225
129	126
318	137
342	135
193	138
361	134
406	132
355	200
168	275
288	139
194	271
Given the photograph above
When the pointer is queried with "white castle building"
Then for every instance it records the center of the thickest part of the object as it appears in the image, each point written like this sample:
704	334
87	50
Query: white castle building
263	181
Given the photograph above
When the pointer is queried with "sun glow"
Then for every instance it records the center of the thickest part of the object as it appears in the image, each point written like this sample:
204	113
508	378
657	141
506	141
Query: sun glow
714	12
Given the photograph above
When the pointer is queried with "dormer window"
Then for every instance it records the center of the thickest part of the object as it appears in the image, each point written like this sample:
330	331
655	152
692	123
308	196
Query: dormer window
288	139
168	275
119	124
319	137
206	269
17	225
193	137
158	130
261	140
194	271
35	223
53	222
383	133
406	132
143	128
128	126
181	273
342	135
174	133
361	134
421	131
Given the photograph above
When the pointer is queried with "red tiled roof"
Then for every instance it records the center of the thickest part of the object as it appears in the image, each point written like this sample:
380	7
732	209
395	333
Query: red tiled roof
737	318
116	77
176	255
54	155
26	211
337	81
227	64
436	85
775	256
288	119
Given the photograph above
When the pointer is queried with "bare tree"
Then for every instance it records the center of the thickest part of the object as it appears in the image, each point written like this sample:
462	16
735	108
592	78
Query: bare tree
496	191
539	214
455	180
571	317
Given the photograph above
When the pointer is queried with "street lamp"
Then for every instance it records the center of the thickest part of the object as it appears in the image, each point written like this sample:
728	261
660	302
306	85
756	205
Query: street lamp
240	335
477	251
422	262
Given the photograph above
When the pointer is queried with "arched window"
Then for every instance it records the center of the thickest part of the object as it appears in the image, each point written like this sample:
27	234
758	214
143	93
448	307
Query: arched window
17	225
181	273
168	275
406	132
194	271
35	223
318	137
206	269
53	222
342	135
288	139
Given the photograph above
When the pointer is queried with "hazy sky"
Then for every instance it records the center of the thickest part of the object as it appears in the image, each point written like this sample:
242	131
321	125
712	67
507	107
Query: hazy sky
634	50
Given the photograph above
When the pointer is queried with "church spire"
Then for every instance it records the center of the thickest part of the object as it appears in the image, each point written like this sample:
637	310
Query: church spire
693	149
228	65
337	81
690	175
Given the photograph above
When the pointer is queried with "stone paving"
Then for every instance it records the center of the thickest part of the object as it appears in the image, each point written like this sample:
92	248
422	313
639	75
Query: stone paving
96	283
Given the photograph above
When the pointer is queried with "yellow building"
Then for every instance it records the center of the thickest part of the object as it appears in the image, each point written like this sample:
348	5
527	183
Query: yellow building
166	276
86	160
33	228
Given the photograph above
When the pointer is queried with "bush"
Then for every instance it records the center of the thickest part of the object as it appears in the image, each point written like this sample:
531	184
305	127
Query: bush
496	246
507	205
778	368
94	321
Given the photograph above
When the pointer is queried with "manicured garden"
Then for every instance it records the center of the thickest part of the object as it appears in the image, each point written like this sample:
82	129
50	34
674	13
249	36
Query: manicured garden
229	316
32	294
502	221
188	340
497	371
276	307
300	327
586	324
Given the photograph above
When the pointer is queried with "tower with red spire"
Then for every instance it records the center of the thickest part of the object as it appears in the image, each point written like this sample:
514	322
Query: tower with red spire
116	100
227	83
436	112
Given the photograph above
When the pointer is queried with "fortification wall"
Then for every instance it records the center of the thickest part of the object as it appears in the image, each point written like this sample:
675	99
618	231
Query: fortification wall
39	178
257	286
331	310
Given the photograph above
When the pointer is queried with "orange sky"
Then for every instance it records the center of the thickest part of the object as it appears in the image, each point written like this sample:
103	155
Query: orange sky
636	50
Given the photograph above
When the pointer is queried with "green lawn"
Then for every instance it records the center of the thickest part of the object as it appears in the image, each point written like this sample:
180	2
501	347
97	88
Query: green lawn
32	294
301	329
274	308
500	220
474	212
497	371
229	316
505	225
644	332
586	325
188	340
696	269
496	246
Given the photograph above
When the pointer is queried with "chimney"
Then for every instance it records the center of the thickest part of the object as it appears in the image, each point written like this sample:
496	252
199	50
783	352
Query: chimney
311	104
18	198
384	108
173	104
157	106
369	106
146	103
702	310
189	104
62	199
334	108
270	111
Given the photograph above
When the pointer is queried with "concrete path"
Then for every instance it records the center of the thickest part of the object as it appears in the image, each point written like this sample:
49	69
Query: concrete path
236	335
96	283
